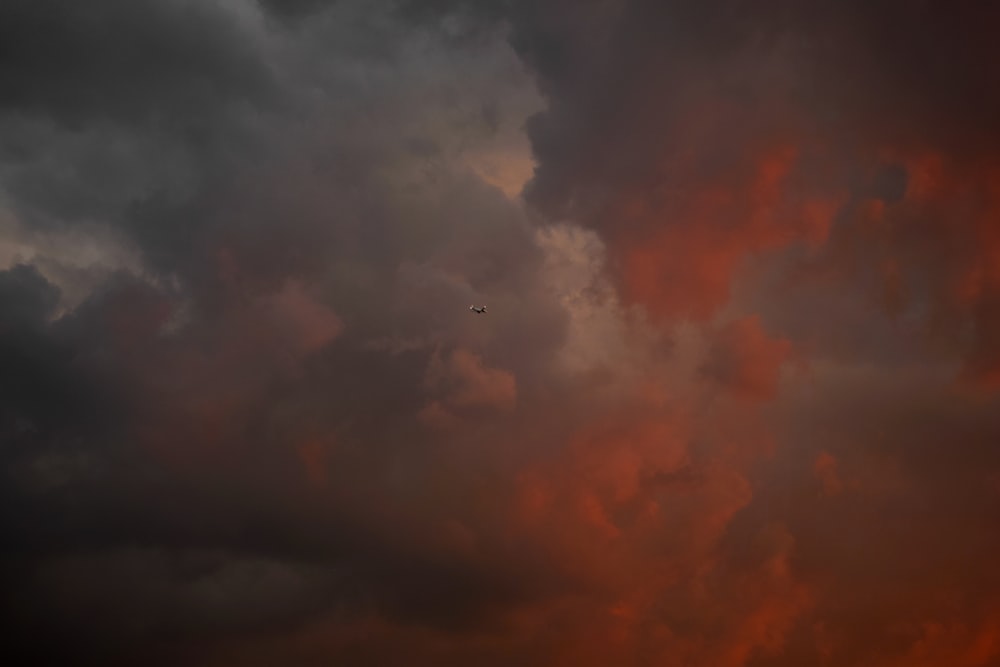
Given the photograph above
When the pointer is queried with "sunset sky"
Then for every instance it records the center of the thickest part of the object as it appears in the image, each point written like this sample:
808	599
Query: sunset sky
735	402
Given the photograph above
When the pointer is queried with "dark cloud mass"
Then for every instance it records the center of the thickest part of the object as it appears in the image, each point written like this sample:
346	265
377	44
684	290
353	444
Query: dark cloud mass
733	405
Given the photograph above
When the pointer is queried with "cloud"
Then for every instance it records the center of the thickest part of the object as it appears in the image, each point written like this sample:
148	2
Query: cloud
130	61
825	469
228	359
472	383
309	326
745	361
814	171
248	419
766	141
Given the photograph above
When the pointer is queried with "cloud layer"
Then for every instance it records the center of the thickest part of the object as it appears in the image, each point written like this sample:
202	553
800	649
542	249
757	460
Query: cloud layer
733	405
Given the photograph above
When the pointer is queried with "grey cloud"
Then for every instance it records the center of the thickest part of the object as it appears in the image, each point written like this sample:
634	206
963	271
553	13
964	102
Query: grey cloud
26	298
151	60
241	155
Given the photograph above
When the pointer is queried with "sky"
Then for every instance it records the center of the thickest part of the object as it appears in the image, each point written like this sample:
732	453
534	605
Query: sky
735	401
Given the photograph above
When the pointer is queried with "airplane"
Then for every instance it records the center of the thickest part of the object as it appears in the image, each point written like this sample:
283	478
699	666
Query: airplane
480	310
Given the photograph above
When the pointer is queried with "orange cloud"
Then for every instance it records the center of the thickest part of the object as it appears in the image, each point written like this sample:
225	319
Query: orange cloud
634	509
954	644
313	456
693	238
936	249
304	324
465	383
745	360
826	471
586	494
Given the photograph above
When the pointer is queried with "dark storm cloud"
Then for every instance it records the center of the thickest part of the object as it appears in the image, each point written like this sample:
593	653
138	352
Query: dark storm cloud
239	124
277	436
42	387
27	298
146	60
283	184
295	8
99	520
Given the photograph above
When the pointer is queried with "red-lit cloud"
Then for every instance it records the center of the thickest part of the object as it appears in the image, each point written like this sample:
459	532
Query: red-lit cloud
734	403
